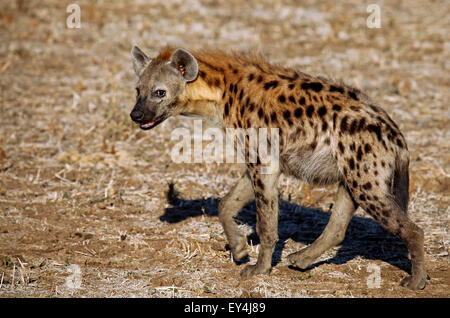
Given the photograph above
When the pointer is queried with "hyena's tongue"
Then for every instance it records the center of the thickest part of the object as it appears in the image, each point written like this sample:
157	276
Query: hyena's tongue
148	125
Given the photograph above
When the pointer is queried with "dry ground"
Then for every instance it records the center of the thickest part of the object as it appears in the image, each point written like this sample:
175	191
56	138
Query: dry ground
81	185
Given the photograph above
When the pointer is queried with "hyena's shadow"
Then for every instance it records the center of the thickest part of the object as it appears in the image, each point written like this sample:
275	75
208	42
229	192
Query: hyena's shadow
364	236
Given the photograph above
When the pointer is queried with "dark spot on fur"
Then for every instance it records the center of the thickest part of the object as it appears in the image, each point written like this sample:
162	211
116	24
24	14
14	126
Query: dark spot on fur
341	147
260	113
375	129
344	124
359	154
315	86
351	163
292	99
227	110
251	77
291	86
298	112
302	101
322	111
324	126
353	126
367	186
271	84
353	95
362	124
260	184
287	116
337	107
362	197
352	146
281	98
375	108
241	94
273	117
310	111
368	149
334	120
259	79
338	89
327	141
287	77
230	101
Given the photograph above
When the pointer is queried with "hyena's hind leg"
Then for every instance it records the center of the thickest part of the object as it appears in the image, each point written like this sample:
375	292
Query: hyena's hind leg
333	234
229	207
386	200
388	213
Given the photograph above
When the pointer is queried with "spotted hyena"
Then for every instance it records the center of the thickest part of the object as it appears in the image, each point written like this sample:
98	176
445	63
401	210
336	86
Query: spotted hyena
328	133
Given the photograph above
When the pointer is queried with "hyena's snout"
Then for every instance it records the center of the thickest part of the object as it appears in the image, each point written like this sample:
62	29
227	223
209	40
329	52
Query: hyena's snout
146	118
137	115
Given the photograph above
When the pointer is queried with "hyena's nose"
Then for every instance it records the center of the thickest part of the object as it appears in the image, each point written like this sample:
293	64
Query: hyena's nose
137	115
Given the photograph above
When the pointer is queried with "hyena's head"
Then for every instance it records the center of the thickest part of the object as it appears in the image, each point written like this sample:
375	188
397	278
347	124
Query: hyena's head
160	84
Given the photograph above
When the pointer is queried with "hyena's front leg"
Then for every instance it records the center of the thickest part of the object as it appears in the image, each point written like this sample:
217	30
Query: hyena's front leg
229	207
266	198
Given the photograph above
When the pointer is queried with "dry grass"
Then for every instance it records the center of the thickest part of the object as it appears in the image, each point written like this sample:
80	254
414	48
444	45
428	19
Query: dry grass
80	184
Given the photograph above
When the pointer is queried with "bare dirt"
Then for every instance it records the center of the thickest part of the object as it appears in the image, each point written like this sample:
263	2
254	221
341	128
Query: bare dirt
83	192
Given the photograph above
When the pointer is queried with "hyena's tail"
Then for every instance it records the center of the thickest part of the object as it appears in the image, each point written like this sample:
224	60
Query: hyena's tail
400	182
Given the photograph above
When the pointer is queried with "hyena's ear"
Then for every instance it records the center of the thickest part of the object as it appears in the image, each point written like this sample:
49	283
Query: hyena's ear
185	63
140	59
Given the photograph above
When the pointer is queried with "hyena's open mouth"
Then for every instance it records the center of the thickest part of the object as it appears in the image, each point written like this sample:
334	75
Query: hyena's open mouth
153	123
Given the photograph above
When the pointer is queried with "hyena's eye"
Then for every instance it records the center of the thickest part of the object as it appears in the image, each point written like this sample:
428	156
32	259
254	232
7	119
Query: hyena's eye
160	93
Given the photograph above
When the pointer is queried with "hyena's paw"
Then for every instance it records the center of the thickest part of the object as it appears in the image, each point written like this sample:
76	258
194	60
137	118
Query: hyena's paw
414	283
301	259
251	270
239	248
